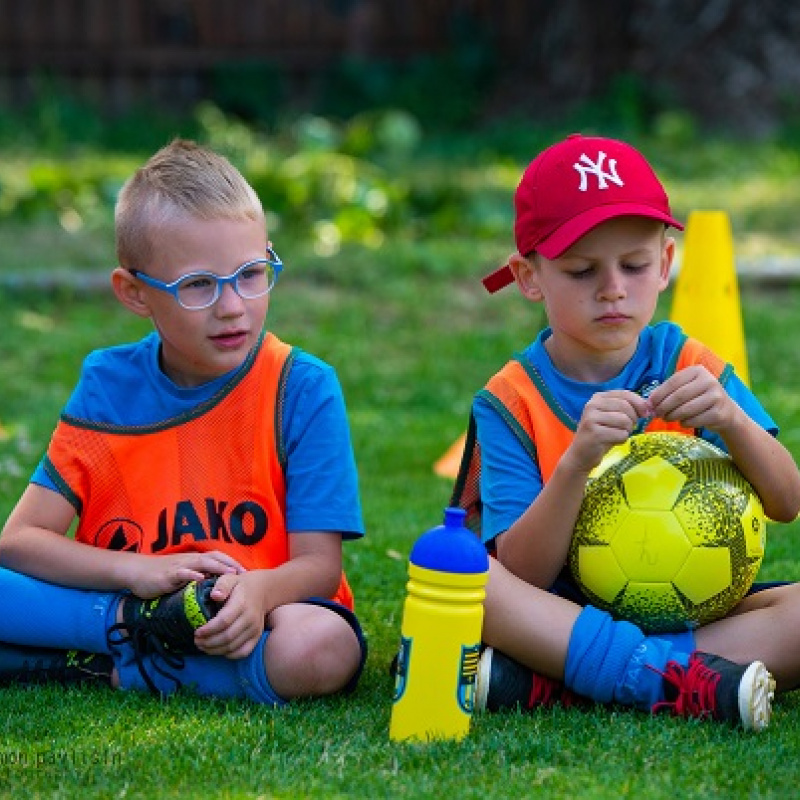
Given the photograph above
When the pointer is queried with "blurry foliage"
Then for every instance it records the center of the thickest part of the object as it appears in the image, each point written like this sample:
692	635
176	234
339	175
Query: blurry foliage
380	174
340	182
253	90
447	89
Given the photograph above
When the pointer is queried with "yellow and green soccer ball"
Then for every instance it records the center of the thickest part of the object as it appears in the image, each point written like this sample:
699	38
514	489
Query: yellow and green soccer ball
670	534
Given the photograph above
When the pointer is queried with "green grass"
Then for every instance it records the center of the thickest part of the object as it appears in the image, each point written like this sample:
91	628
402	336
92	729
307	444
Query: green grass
412	335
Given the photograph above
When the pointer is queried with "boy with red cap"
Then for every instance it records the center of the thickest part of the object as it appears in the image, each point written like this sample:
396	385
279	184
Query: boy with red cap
592	247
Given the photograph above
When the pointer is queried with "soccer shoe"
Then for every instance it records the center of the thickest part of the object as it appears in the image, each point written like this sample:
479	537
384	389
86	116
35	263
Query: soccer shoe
713	687
168	623
20	664
505	683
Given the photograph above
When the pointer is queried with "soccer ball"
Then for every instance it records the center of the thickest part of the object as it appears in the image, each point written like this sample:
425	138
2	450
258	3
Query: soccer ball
670	534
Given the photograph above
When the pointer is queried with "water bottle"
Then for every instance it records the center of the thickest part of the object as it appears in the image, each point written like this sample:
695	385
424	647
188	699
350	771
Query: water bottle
434	693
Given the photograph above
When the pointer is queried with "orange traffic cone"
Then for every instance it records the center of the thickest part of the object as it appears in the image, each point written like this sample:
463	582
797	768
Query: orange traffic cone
447	466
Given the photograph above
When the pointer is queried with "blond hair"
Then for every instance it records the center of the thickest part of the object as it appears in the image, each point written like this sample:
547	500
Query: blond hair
182	180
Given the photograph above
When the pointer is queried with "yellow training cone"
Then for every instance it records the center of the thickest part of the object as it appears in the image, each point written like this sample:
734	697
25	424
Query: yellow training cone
706	299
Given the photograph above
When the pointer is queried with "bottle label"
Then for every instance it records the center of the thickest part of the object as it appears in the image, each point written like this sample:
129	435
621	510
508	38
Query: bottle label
401	675
467	678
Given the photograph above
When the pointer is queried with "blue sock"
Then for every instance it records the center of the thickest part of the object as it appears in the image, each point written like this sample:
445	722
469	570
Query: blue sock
642	683
614	661
598	653
47	615
206	675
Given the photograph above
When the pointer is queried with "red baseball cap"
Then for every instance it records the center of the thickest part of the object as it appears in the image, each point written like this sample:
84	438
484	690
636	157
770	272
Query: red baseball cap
573	186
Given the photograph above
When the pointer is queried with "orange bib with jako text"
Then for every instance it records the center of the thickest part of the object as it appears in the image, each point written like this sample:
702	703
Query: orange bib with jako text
211	479
537	416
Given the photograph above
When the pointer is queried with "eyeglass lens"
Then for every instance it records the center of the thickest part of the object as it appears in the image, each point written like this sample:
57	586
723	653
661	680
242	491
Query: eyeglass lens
253	280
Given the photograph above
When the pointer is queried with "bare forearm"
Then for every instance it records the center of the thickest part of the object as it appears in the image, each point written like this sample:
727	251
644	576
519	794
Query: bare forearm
314	569
769	467
55	558
535	548
298	579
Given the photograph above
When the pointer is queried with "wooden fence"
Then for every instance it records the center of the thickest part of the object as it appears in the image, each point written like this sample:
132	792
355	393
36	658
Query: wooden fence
118	46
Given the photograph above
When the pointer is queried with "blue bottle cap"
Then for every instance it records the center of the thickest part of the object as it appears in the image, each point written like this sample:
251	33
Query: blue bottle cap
450	547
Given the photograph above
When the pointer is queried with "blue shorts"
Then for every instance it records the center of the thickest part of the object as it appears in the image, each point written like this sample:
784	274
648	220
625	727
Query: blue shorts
566	587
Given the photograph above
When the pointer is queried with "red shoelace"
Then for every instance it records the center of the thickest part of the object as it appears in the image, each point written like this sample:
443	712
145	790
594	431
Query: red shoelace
697	689
546	692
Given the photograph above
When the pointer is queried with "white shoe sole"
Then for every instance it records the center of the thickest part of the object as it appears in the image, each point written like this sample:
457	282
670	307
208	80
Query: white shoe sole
756	691
482	679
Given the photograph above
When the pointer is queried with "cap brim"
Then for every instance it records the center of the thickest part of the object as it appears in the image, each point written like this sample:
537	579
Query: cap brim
498	279
559	242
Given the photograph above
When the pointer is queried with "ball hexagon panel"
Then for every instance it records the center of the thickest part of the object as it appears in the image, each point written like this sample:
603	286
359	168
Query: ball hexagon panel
670	534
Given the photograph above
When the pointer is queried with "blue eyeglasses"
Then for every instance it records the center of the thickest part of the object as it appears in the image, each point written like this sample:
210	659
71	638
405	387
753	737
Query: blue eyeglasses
202	289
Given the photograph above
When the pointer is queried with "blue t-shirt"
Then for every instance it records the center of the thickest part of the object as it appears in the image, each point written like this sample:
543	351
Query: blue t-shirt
124	385
510	479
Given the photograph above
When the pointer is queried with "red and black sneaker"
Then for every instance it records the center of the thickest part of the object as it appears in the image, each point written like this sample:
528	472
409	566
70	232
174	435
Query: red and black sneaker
21	664
503	683
715	688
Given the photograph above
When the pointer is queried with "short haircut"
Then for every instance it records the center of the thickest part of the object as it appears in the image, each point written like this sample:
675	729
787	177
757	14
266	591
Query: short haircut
181	181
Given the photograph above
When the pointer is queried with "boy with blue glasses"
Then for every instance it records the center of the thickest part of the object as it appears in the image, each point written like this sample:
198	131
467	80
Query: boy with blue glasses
210	469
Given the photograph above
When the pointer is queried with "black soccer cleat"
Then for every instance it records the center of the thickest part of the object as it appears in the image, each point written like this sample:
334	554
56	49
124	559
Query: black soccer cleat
168	623
21	664
503	683
713	687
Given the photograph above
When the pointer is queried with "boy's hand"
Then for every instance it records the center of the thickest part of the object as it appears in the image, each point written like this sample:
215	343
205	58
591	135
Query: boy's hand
608	419
149	576
236	628
696	399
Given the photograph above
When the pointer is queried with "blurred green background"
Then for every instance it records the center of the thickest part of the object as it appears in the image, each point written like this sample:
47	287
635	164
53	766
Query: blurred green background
385	141
364	121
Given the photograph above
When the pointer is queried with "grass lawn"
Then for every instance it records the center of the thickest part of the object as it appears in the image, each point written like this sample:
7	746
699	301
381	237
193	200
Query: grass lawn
412	335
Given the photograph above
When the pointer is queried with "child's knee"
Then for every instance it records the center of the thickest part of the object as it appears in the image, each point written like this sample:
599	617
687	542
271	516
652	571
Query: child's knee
316	653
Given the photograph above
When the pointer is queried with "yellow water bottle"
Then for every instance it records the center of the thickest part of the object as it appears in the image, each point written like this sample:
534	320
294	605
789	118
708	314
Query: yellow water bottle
437	664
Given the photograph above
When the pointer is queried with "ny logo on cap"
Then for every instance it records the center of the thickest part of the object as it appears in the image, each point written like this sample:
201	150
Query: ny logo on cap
588	167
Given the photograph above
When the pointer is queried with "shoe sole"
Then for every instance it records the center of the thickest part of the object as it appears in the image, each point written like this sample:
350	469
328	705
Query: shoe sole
482	679
196	603
756	691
